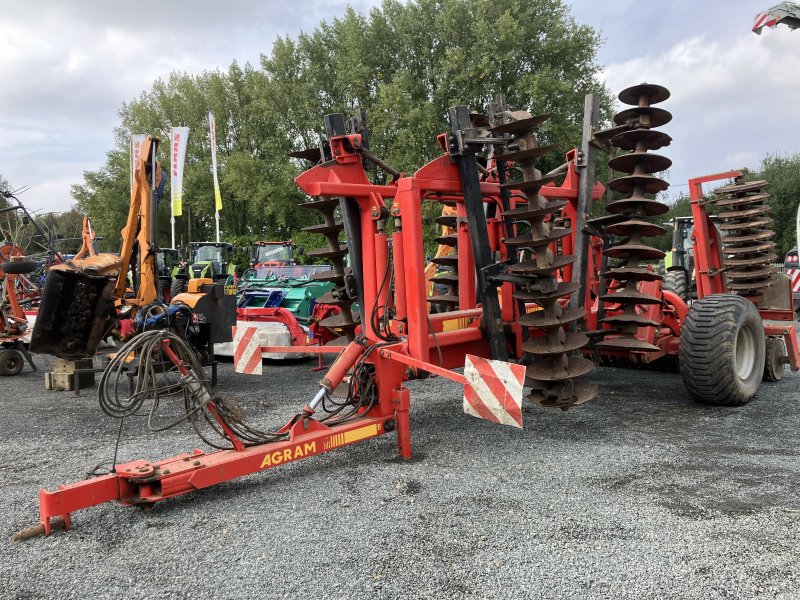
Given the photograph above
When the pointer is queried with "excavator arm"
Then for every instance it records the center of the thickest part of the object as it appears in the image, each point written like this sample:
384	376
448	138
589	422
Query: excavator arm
141	230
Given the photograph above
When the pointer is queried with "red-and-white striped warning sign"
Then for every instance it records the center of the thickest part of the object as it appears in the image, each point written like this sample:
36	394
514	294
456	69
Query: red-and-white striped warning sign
794	275
246	350
493	390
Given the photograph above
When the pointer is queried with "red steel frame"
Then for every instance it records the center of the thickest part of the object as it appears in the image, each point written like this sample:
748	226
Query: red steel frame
672	313
424	338
426	345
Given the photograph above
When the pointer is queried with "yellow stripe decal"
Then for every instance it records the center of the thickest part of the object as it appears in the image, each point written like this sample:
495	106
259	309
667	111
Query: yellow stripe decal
360	433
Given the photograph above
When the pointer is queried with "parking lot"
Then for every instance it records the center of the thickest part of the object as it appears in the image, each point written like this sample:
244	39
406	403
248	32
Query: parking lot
640	494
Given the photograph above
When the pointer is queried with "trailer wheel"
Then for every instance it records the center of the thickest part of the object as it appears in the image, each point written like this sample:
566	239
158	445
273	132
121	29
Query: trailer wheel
675	282
11	362
775	363
178	286
722	350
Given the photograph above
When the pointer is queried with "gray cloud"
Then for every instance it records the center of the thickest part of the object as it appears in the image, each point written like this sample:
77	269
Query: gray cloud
67	68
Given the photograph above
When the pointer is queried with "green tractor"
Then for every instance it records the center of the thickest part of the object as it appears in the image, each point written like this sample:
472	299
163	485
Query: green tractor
207	260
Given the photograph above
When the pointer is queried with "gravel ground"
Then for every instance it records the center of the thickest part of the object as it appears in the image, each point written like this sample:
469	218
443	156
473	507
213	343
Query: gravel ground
639	494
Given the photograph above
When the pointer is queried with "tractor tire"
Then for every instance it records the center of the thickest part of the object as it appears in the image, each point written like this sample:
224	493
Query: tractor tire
19	267
11	362
722	350
178	287
775	363
675	282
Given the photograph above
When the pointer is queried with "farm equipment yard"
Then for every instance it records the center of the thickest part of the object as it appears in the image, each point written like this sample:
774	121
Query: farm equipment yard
642	493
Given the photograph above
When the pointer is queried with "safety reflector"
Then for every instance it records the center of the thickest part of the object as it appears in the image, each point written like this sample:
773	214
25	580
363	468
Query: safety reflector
246	350
493	390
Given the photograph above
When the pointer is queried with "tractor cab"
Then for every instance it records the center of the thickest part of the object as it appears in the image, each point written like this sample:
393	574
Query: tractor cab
273	254
168	262
211	260
679	261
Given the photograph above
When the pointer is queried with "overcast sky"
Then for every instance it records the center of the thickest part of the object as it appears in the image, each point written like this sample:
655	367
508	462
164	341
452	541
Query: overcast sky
66	67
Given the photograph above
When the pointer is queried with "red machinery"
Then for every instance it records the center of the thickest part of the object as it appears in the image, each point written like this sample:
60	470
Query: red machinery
505	301
401	340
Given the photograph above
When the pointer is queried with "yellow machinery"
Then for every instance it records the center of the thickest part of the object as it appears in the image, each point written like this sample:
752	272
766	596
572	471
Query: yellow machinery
84	297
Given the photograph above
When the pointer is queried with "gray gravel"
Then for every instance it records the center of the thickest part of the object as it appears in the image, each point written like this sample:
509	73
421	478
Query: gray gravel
640	494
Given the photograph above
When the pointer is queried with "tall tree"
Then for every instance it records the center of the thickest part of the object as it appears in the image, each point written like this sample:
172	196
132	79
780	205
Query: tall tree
404	74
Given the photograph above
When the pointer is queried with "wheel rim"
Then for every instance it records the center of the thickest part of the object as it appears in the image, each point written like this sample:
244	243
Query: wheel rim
745	353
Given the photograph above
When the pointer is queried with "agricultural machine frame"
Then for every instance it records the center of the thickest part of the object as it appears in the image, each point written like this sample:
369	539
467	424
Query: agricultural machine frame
401	339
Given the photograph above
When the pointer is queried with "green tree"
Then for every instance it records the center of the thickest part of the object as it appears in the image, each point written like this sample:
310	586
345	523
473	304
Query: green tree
405	75
782	173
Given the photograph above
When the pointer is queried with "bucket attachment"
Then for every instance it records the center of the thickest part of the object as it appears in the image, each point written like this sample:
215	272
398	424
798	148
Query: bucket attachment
78	298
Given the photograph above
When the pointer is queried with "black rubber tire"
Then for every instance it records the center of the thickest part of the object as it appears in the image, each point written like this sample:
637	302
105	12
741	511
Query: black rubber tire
774	364
19	267
178	287
675	282
11	362
721	330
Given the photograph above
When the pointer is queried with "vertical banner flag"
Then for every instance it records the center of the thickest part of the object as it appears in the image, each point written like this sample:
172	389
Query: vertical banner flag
178	155
136	144
213	126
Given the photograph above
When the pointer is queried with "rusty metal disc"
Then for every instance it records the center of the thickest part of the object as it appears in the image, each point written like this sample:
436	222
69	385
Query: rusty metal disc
627	296
541	346
628	344
653	94
330	275
638	320
750	186
447	278
527	240
542	320
740	200
644	228
448	260
746	213
647	184
327	252
521	124
641	251
523	213
342	320
753	261
443	299
546	370
334	298
639	114
324	228
632	273
737	225
759	273
564	288
531	267
646	161
649	139
446	240
447	221
530	185
637	204
321	204
605	221
528	154
582	392
752	249
748	237
735	286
